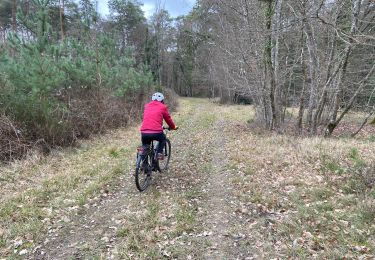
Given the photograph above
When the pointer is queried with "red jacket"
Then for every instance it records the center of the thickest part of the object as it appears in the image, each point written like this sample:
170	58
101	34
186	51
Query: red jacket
153	116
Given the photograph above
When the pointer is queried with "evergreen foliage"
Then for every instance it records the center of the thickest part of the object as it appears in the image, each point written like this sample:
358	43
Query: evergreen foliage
58	90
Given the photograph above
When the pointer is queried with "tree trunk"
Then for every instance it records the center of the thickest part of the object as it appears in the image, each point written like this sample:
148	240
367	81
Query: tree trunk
333	121
333	124
62	20
324	96
314	68
277	85
270	82
302	96
14	16
364	122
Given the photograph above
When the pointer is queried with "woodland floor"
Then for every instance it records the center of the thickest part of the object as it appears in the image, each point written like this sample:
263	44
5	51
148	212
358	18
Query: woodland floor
230	193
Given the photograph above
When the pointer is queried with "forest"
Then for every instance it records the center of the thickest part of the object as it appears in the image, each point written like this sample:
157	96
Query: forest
67	72
274	156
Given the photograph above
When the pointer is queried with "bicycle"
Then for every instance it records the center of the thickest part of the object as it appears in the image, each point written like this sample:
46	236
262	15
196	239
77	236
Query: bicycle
147	162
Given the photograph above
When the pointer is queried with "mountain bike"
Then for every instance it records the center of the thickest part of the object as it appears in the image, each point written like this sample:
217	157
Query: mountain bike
147	162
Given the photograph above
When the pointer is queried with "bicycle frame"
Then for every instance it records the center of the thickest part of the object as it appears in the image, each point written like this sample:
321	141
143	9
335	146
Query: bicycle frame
147	161
144	151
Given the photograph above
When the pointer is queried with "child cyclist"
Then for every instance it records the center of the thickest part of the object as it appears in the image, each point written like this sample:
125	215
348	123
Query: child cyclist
152	125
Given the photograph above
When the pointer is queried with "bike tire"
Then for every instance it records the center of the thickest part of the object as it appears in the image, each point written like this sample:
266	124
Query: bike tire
143	174
162	165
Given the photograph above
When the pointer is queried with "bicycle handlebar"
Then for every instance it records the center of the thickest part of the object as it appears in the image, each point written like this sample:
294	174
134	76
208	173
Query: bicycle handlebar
167	128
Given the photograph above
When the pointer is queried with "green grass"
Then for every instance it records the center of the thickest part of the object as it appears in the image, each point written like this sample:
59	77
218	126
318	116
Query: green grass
186	219
323	216
23	214
321	193
193	194
324	207
367	212
2	242
325	178
329	164
113	152
152	217
298	252
372	193
186	213
152	253
319	209
135	242
347	201
354	185
123	232
208	120
355	157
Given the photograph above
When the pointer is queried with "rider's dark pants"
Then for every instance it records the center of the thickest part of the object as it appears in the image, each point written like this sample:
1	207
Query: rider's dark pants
148	138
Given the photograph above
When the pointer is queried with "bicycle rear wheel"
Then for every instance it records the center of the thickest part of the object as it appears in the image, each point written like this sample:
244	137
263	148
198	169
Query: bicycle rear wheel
143	172
162	165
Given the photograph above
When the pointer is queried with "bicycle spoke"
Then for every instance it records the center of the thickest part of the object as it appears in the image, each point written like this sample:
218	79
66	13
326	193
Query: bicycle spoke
163	164
150	163
143	173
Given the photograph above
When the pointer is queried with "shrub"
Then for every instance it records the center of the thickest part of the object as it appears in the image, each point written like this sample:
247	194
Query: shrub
54	93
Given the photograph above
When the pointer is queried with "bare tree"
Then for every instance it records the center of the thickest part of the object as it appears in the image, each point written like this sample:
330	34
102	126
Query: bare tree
280	53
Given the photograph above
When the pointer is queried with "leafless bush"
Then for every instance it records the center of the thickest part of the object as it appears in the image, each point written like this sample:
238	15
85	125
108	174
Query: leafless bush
171	99
12	143
88	112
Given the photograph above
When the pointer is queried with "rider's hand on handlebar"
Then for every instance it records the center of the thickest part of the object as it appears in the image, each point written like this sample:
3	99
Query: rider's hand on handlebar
175	128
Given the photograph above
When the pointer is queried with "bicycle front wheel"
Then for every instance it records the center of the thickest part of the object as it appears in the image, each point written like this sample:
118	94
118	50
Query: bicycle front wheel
143	172
163	164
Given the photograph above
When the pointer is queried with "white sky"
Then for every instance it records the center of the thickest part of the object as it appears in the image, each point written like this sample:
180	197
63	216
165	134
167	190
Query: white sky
174	7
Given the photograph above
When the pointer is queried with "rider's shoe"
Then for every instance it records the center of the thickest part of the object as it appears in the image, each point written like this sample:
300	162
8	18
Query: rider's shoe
160	156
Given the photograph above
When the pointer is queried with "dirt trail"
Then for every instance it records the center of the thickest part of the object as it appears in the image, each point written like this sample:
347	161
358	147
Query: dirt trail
90	231
229	194
191	206
218	188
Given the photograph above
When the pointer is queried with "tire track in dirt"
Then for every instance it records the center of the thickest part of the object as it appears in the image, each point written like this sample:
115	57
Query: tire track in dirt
217	204
92	230
221	218
197	185
218	200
